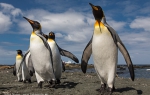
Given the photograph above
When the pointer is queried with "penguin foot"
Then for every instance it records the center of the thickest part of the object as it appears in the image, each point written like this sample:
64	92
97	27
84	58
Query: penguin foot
24	81
52	84
102	88
57	81
40	84
109	91
29	80
20	80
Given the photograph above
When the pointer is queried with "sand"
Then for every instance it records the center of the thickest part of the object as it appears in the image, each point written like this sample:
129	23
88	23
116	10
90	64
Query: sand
72	83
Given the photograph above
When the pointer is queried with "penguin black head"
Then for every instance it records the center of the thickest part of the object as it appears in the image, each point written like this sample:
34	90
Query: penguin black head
35	24
51	35
19	52
97	12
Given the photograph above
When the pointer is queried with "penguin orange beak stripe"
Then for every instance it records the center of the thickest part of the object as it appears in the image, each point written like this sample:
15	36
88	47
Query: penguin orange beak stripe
95	8
30	21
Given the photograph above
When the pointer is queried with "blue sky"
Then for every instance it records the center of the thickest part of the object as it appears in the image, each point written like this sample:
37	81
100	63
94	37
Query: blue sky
72	22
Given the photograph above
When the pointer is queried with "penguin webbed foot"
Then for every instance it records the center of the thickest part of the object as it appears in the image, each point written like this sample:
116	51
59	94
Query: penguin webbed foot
57	81
20	80
102	88
110	90
52	84
24	81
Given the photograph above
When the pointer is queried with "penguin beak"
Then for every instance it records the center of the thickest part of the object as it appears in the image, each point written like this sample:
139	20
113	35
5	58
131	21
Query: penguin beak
93	7
30	21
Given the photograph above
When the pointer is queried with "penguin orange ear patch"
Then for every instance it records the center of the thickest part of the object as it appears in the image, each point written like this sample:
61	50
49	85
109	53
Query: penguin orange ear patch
31	21
95	8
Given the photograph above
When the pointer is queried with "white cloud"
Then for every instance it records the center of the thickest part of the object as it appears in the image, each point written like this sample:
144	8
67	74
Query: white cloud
59	35
10	9
117	25
137	44
5	22
6	6
74	26
141	23
7	14
4	52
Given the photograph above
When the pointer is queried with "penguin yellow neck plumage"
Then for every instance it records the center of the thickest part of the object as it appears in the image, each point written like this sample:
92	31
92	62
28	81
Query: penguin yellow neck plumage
33	33
100	28
35	38
19	56
98	24
51	40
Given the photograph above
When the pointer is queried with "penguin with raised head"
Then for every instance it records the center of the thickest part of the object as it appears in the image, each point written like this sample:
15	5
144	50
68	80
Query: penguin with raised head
16	70
104	46
41	55
56	52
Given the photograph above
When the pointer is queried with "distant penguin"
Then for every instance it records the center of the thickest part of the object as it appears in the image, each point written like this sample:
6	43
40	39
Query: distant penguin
104	46
41	55
16	70
56	52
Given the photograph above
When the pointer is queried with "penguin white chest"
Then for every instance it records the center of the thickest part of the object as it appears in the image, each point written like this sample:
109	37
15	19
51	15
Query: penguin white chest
104	52
40	54
56	58
54	48
55	53
18	60
36	44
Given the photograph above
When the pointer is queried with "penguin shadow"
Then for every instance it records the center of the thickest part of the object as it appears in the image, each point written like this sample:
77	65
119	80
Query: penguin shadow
67	84
5	88
120	90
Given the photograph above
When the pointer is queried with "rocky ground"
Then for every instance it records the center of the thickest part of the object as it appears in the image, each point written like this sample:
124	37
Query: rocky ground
72	83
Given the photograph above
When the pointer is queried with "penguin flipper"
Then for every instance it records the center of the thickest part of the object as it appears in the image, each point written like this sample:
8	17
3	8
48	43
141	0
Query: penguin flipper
86	55
68	54
47	46
126	55
14	70
30	66
123	50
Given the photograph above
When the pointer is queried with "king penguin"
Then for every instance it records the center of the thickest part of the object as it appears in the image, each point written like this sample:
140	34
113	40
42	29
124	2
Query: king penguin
41	54
27	68
57	52
104	46
57	63
16	70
